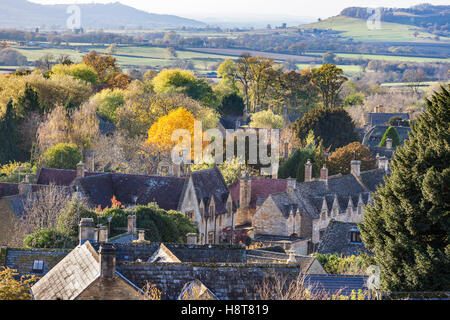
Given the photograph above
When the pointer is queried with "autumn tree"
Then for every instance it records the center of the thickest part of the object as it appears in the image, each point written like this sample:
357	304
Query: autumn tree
329	79
13	287
160	133
266	119
339	161
103	64
78	71
298	91
107	102
407	227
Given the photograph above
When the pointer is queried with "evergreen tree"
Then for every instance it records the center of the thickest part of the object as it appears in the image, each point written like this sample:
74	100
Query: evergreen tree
9	137
333	126
392	133
29	101
407	227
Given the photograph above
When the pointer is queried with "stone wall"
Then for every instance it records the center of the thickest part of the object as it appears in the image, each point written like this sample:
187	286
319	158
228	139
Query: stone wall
111	289
226	281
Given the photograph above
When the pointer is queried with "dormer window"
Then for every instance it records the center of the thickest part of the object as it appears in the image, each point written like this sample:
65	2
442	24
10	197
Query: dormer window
38	266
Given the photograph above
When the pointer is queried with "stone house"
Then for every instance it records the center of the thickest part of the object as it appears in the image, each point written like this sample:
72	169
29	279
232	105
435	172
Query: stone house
305	209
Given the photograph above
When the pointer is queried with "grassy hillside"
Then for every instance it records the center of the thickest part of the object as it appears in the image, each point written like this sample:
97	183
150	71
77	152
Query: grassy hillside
357	29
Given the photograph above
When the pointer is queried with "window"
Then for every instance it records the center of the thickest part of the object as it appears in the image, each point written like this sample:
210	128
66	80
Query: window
38	266
355	236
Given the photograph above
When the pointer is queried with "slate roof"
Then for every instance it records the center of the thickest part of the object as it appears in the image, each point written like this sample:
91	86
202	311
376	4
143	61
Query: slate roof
336	240
59	177
382	152
70	277
374	134
22	259
383	118
163	254
99	189
275	238
330	284
305	262
8	189
210	183
260	188
196	290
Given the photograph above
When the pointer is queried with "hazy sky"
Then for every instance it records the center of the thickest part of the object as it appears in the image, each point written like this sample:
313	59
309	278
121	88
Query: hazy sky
236	8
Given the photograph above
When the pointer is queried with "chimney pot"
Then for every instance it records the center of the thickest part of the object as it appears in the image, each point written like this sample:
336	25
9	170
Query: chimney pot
292	259
107	254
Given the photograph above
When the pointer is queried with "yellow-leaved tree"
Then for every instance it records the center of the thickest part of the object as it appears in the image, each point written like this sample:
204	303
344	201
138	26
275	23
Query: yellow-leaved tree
160	133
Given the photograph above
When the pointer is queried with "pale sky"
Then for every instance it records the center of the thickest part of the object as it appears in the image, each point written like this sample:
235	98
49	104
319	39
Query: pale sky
239	8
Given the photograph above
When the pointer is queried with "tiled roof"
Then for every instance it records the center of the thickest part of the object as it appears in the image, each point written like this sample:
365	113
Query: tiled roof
70	277
375	134
22	259
260	188
196	290
8	189
305	262
59	177
382	151
336	240
210	183
331	284
163	254
383	118
99	189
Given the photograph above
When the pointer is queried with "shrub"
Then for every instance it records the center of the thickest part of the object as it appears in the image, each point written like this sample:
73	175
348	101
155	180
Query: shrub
392	133
62	156
340	160
48	238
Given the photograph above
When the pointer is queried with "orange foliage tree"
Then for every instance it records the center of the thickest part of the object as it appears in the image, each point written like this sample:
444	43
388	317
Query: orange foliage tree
339	161
160	133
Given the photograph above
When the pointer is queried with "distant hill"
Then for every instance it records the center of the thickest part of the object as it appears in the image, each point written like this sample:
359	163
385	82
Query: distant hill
433	19
416	24
25	14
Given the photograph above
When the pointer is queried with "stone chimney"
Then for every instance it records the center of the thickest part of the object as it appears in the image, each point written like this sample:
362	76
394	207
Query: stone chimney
80	170
131	224
87	230
389	143
324	174
191	238
103	234
141	236
308	171
356	167
245	191
107	254
291	185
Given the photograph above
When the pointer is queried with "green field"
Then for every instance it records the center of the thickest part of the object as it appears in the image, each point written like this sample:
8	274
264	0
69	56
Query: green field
349	70
357	29
389	58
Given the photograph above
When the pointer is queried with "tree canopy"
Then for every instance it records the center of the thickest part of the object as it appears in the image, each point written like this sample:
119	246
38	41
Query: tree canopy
333	126
340	160
407	227
391	133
